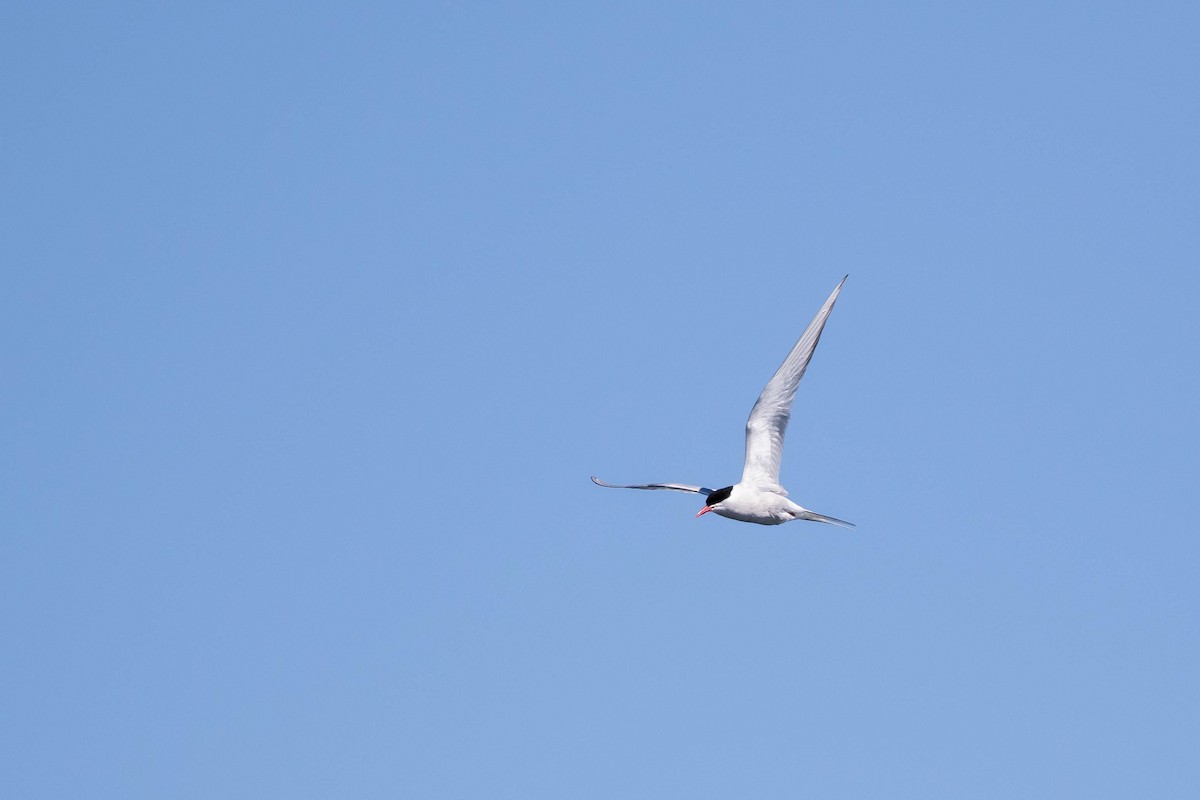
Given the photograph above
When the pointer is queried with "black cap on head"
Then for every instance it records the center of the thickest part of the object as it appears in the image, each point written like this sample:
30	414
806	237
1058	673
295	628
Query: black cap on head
719	495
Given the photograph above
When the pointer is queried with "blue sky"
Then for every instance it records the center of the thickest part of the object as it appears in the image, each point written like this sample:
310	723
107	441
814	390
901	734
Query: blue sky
316	321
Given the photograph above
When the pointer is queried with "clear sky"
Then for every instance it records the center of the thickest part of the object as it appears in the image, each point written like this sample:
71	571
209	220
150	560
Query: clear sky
316	318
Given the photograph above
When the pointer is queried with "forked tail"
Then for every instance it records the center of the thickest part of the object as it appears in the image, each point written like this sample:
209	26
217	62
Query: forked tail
815	517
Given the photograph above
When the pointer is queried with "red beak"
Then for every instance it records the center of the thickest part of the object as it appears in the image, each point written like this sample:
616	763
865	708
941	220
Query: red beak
703	511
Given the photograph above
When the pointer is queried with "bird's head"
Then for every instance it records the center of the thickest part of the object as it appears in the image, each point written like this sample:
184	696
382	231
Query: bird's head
714	499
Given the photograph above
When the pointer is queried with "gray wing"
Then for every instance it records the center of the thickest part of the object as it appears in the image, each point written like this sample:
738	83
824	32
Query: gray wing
679	487
769	418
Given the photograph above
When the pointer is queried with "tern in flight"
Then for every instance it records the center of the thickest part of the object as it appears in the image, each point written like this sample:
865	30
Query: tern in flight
758	497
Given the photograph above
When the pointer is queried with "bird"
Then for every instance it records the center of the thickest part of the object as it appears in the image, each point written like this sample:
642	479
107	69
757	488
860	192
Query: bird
758	497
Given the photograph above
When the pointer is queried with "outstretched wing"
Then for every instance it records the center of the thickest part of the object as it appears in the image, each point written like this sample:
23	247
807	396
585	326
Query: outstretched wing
678	487
769	418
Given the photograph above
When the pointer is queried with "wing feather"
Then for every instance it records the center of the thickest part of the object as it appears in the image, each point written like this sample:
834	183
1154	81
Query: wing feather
679	487
769	418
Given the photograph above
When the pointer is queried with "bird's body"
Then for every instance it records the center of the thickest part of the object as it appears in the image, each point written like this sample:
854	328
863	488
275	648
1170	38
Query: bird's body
758	497
750	503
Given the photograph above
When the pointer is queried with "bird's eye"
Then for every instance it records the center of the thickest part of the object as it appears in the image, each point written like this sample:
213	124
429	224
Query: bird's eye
719	495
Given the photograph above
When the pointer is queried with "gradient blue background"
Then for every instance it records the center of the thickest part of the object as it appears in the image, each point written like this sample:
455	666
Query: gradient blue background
317	318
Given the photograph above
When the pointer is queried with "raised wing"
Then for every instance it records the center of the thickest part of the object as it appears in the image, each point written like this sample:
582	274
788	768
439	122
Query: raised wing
769	418
679	487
